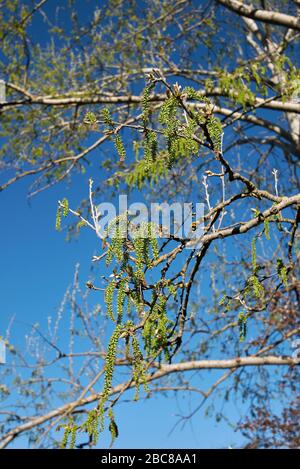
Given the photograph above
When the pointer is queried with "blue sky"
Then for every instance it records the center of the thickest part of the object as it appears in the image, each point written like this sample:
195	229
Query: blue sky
37	265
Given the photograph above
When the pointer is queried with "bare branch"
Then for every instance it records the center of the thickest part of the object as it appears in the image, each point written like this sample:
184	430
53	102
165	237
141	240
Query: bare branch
265	16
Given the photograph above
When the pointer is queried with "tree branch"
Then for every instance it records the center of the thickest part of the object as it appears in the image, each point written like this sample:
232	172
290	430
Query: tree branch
162	371
265	16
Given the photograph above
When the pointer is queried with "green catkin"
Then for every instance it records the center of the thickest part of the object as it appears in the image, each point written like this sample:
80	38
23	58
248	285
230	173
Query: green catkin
139	244
73	436
118	140
267	229
242	323
186	145
253	254
147	260
116	248
120	300
191	93
253	281
168	112
163	321
155	330
139	372
215	131
88	425
62	210
108	299
110	359
258	288
172	150
65	207
65	438
113	428
130	300
109	369
167	117
282	271
90	119
95	428
172	289
146	103
150	148
120	147
153	240
142	242
223	300
93	425
136	147
167	355
147	335
109	255
137	301
107	118
146	170
127	347
58	219
80	225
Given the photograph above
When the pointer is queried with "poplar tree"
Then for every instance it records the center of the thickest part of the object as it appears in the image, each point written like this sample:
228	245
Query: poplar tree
195	100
